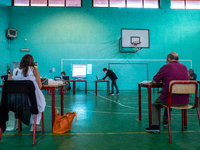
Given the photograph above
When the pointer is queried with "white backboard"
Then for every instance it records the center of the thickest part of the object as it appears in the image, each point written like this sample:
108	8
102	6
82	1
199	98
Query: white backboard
128	36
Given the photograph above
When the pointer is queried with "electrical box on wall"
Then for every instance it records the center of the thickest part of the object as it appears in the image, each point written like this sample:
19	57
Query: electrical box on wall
11	33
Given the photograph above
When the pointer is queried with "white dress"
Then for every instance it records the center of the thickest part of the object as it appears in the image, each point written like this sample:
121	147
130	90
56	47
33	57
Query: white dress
41	103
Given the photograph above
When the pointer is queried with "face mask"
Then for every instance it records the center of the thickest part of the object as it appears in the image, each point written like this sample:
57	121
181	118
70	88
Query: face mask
62	74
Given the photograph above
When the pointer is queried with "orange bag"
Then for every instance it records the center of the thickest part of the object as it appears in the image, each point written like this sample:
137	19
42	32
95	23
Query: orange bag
63	123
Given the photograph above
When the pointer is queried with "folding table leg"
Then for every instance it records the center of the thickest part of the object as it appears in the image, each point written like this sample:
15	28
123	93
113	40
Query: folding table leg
96	88
61	94
139	95
53	106
149	104
85	87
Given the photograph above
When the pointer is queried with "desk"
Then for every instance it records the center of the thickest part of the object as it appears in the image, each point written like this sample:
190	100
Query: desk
52	88
108	86
74	85
148	86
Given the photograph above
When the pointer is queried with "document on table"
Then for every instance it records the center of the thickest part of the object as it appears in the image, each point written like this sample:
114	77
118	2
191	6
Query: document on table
145	82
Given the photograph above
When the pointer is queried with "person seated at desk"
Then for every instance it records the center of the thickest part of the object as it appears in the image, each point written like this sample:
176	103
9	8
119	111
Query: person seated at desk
193	75
113	77
27	71
67	86
5	77
173	70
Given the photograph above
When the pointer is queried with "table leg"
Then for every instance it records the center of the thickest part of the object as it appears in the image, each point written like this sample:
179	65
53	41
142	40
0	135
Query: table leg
149	104
199	89
108	88
185	117
61	94
85	87
139	95
53	105
74	88
96	88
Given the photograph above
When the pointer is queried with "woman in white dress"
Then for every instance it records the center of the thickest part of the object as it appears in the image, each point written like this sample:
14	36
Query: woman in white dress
27	71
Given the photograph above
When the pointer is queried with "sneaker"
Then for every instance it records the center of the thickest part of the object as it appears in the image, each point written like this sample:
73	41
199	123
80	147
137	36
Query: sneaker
38	128
153	128
165	123
111	93
117	93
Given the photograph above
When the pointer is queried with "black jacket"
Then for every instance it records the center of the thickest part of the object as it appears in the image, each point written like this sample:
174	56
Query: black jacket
19	97
111	75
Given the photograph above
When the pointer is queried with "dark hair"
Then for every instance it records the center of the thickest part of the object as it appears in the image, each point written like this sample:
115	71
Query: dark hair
170	56
191	70
63	73
104	69
26	61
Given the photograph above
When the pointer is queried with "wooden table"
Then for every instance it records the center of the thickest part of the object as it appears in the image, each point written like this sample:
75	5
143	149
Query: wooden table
108	85
74	85
52	88
149	86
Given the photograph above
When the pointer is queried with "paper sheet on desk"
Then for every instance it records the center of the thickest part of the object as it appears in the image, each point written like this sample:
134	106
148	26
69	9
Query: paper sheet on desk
145	82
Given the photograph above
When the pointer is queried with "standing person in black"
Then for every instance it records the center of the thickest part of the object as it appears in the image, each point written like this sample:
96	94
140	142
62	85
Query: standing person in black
113	77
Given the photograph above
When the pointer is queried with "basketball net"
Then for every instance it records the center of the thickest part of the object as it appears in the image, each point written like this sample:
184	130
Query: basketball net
136	48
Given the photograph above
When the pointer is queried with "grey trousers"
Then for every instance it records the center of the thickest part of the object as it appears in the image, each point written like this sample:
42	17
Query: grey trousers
155	111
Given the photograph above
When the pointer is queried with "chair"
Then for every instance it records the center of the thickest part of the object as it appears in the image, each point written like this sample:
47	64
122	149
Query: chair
181	87
19	97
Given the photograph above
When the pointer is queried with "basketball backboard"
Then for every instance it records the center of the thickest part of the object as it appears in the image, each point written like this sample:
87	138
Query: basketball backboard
131	36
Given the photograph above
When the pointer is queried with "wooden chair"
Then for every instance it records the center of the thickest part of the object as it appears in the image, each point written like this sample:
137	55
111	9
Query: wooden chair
181	87
22	91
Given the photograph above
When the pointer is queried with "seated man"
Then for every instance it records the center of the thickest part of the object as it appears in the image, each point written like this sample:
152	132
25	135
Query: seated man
173	70
5	77
193	75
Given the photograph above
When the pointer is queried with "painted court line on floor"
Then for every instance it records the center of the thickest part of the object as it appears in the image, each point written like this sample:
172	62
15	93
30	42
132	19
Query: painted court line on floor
115	102
120	113
106	133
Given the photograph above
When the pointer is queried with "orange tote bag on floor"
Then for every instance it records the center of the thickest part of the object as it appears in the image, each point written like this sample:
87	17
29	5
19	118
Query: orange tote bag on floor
63	123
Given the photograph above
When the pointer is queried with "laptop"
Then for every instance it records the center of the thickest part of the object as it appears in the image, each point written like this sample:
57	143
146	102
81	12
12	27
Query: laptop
98	78
65	77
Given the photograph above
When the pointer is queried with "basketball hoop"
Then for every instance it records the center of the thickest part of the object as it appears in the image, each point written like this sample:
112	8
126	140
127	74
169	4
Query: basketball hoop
135	44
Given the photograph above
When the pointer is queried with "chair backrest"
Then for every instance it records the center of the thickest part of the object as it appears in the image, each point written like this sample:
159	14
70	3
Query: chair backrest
19	91
183	86
19	97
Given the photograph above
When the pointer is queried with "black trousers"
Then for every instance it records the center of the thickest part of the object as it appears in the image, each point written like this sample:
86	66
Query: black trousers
114	83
